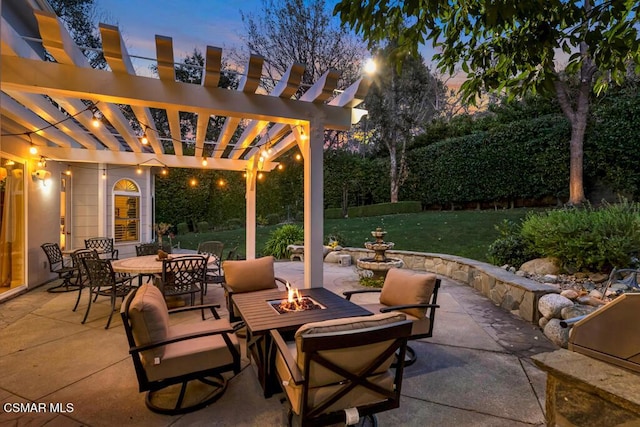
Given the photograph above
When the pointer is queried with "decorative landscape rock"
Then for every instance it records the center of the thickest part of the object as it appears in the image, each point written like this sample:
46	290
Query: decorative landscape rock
551	305
576	310
541	266
589	300
570	293
556	333
332	257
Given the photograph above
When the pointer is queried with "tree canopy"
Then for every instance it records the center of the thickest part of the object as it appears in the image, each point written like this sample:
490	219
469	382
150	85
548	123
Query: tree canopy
515	48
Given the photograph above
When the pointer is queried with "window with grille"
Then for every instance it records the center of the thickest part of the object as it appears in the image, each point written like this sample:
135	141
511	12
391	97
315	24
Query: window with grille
126	204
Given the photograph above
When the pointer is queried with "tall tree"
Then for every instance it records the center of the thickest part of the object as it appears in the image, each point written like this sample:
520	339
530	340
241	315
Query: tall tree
80	17
288	31
515	47
400	105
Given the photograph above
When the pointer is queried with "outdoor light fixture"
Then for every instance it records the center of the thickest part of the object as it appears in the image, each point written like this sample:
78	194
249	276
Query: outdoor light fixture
42	175
370	66
97	116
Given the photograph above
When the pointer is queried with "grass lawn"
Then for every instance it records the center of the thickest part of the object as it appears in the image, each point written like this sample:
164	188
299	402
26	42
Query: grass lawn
464	233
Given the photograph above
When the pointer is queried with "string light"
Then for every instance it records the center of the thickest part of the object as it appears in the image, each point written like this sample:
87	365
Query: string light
280	166
138	170
104	173
193	182
260	175
204	161
33	150
97	116
68	171
298	157
164	171
221	182
144	140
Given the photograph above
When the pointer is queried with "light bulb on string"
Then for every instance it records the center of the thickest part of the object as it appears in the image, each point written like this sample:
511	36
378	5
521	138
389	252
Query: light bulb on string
280	167
68	171
138	170
144	140
221	182
193	182
164	171
298	157
260	175
104	174
95	121
204	161
33	150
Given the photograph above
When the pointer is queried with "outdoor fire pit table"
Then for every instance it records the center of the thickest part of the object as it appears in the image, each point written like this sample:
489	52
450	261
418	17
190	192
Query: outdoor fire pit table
258	312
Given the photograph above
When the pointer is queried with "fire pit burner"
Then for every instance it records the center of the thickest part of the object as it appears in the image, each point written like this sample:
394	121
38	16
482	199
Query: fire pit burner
282	306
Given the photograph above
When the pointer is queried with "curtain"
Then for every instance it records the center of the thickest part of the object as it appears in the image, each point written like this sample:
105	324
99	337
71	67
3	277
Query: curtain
12	231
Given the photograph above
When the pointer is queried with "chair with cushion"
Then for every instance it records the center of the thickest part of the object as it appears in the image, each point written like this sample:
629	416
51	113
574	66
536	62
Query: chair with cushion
192	354
184	276
65	270
413	293
247	276
214	249
104	282
339	370
104	246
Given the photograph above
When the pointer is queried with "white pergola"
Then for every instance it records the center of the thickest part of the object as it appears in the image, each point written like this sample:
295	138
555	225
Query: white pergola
274	120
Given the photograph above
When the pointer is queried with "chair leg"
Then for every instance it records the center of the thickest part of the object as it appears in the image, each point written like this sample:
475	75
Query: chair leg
86	314
78	299
65	286
409	358
113	308
155	399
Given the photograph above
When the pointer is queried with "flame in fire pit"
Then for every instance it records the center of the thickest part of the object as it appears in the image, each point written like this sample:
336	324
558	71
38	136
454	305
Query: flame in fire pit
295	302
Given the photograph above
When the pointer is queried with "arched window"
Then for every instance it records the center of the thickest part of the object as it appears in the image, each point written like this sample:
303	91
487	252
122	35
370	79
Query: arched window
126	212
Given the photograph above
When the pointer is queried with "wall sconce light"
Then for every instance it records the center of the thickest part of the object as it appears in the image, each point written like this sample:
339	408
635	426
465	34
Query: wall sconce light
41	175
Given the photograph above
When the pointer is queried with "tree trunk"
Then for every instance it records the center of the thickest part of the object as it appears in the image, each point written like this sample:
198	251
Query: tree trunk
393	173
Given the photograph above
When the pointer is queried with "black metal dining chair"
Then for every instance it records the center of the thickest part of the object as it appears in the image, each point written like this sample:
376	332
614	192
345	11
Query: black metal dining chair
214	249
82	279
103	282
104	246
185	275
63	268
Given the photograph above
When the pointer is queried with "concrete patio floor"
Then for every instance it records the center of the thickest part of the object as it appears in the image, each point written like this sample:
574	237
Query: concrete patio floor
475	371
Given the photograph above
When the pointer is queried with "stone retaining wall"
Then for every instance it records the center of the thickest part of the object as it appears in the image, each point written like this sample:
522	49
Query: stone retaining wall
517	294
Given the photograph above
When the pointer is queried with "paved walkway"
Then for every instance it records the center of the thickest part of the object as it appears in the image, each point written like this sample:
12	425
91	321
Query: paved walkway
475	371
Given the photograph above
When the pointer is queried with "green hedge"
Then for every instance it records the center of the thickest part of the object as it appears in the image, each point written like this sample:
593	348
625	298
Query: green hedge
376	210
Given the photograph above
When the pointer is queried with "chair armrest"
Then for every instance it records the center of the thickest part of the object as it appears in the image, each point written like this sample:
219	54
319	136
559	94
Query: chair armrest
282	281
292	366
217	331
405	306
114	254
348	294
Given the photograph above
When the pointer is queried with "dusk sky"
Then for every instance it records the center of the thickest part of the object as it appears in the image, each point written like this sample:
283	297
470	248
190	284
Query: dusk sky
193	23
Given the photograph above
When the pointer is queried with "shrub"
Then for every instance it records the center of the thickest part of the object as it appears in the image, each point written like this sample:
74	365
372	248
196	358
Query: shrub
282	237
261	221
233	223
272	219
203	226
587	238
335	238
510	248
183	228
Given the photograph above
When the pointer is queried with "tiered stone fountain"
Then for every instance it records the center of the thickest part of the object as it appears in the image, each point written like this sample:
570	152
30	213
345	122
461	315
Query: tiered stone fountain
380	263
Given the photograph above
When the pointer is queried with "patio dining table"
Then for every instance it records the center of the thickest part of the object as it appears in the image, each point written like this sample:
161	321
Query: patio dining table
148	264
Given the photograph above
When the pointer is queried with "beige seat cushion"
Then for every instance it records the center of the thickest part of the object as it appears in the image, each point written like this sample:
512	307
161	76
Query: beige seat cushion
250	275
193	355
149	320
404	286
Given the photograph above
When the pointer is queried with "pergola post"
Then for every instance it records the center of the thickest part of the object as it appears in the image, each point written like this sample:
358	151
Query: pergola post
312	152
250	200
